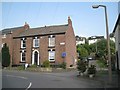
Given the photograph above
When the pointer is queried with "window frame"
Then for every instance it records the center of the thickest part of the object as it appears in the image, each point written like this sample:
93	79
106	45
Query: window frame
49	55
23	55
34	42
4	36
51	41
22	44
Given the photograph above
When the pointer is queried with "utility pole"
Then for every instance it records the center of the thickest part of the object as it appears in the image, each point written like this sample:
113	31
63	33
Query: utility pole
108	42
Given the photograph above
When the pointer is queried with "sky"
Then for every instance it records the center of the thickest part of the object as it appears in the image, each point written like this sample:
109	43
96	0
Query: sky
86	20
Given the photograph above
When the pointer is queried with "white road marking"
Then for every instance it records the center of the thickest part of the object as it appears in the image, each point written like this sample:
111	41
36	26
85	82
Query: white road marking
21	78
16	76
29	86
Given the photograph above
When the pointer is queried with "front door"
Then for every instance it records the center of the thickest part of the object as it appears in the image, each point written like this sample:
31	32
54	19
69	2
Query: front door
36	57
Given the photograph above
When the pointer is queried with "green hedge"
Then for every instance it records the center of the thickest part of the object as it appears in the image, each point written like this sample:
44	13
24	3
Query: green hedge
46	63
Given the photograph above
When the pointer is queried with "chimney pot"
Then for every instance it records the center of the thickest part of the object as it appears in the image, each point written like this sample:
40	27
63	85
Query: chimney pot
26	26
69	21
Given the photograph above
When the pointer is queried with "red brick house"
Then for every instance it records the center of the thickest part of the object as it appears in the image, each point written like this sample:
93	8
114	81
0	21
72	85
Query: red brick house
35	45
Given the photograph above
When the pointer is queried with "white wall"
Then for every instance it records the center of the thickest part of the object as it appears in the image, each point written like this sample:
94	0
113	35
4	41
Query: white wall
117	42
80	42
112	39
92	41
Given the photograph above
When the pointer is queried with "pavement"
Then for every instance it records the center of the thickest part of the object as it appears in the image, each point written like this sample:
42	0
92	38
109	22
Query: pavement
103	78
70	79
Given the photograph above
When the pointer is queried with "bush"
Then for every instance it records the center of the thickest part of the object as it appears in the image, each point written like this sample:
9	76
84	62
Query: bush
46	63
33	66
63	65
102	63
5	56
92	69
81	66
20	67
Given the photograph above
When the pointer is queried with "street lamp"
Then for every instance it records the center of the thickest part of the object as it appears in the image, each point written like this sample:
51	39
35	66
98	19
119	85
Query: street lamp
108	41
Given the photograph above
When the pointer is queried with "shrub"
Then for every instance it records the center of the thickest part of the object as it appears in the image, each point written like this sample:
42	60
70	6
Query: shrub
46	63
33	66
102	63
81	66
63	65
20	67
5	56
92	69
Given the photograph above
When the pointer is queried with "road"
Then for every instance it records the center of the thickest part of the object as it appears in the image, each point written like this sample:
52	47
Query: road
22	79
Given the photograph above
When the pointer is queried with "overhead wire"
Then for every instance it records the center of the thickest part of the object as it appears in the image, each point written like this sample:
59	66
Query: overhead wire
4	25
54	17
38	13
27	15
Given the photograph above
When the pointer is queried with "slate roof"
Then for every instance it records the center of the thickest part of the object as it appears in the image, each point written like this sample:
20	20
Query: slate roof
9	30
56	29
45	30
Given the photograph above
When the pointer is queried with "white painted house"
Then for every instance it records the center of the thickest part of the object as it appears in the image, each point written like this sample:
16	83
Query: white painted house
80	40
116	32
112	37
94	39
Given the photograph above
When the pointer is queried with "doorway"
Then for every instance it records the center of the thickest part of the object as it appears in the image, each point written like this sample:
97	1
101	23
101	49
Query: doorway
35	57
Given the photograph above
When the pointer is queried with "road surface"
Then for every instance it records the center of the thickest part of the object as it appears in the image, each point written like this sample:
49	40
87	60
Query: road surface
22	79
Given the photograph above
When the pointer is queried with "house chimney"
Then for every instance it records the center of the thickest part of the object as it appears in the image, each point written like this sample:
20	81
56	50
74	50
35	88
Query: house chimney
69	21
26	26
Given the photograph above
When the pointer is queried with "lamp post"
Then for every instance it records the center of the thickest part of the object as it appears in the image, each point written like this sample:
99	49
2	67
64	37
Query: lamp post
108	41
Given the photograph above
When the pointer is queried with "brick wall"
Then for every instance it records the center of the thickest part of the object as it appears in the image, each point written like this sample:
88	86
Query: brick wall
70	45
63	43
29	44
16	51
13	44
43	48
59	49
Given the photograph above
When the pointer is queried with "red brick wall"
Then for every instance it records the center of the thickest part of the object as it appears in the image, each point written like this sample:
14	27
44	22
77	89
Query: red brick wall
70	45
59	49
16	51
13	44
29	44
43	48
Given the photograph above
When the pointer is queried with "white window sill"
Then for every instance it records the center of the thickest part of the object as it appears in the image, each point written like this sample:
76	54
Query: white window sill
51	46
22	61
51	60
36	46
23	47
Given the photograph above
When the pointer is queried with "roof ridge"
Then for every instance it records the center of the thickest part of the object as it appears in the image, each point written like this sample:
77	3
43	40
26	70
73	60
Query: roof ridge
36	27
50	26
45	30
13	28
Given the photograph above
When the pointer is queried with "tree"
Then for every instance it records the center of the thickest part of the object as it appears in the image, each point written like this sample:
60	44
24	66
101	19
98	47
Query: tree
81	66
5	56
86	46
82	51
92	48
102	47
